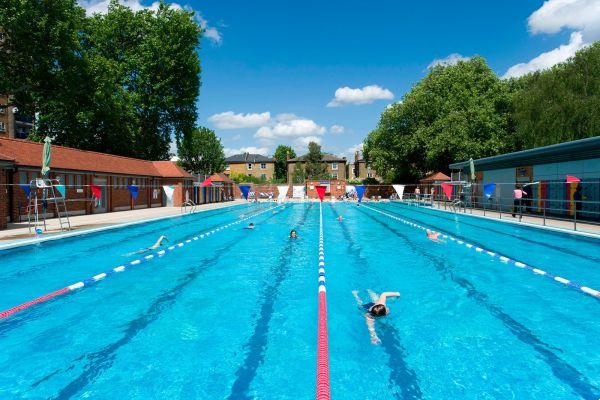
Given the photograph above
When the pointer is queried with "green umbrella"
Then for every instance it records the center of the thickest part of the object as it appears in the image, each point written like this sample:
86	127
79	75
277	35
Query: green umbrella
472	167
46	156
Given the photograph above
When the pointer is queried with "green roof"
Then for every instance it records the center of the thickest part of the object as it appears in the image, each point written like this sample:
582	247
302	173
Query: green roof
583	149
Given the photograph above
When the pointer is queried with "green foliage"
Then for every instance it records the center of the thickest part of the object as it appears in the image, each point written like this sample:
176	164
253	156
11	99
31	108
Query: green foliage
315	167
299	175
243	178
370	181
282	153
454	113
201	151
123	83
559	104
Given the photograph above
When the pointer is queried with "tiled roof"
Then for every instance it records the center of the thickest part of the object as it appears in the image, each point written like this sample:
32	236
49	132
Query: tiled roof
325	157
220	177
436	176
29	154
247	157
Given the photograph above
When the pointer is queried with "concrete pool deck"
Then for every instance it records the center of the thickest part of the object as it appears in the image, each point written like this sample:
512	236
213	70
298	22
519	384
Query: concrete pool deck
18	231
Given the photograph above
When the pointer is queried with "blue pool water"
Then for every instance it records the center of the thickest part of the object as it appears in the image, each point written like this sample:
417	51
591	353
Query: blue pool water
234	315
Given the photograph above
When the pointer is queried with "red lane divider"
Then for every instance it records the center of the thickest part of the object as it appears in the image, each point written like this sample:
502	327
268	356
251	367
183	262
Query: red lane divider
323	389
30	303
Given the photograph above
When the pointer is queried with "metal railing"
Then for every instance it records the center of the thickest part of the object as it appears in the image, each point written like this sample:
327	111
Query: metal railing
192	207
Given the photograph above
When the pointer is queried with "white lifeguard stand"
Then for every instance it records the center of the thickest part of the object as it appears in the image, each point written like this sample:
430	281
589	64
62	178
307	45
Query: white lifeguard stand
49	193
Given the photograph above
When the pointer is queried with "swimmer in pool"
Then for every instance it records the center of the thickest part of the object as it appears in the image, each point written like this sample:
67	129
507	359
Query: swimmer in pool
155	246
250	226
433	236
375	309
293	234
340	218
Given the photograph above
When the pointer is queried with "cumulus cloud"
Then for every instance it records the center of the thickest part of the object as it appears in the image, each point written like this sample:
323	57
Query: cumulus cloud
452	59
101	7
230	120
301	144
250	149
350	152
289	128
337	129
366	95
548	59
580	16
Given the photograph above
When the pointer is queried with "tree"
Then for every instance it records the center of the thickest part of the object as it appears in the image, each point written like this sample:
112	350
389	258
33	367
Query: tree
454	113
559	104
299	175
315	167
125	82
201	152
282	154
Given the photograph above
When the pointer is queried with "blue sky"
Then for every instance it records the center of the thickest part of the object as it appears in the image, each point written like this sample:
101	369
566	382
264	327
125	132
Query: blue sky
271	69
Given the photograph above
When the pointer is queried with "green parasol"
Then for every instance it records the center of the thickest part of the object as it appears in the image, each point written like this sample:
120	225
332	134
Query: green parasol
46	156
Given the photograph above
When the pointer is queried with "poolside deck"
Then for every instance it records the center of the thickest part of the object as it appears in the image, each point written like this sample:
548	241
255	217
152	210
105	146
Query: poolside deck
19	231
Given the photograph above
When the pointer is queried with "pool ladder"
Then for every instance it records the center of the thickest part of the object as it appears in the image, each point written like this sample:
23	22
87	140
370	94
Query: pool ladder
192	207
49	193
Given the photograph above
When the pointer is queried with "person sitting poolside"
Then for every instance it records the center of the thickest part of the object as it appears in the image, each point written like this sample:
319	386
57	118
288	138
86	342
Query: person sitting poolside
375	309
250	226
293	234
433	236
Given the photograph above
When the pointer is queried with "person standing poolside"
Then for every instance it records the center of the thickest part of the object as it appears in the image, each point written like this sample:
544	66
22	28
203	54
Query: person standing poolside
375	309
518	194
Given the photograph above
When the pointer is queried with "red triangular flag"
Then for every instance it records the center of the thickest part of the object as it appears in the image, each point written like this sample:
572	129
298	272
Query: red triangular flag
96	191
207	182
321	191
447	188
572	179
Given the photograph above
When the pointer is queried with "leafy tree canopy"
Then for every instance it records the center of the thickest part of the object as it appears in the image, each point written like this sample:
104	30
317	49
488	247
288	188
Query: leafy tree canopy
315	167
201	152
282	154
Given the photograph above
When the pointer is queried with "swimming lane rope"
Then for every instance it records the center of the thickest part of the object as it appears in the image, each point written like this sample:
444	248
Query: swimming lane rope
504	259
121	268
323	391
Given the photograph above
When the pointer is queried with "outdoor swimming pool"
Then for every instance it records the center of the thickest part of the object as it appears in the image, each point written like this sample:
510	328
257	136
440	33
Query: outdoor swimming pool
233	315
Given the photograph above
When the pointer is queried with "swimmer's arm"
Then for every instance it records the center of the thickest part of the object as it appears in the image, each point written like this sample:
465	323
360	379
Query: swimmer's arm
385	295
358	299
371	327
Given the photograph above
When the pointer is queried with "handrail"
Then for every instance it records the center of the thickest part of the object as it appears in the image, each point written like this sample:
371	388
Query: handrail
186	204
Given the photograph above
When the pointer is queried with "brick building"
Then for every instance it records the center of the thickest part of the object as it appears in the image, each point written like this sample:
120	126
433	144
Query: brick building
361	170
20	162
336	166
12	123
255	165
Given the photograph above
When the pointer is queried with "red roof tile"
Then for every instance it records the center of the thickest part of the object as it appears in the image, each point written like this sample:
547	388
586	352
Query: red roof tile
220	177
436	176
29	154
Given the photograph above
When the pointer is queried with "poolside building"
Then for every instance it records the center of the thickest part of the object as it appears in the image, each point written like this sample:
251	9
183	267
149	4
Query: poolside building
542	171
20	163
255	165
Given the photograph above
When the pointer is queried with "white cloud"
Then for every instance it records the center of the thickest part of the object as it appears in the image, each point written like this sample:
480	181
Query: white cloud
337	129
452	59
289	128
229	120
367	95
250	149
548	59
580	16
301	144
101	7
351	151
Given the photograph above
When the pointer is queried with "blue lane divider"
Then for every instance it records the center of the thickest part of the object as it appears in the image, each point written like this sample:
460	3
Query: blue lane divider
507	260
121	268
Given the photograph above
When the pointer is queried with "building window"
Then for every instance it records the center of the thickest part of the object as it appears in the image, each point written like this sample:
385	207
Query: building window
334	166
227	167
70	180
79	181
263	177
2	127
334	175
249	166
249	174
369	175
263	166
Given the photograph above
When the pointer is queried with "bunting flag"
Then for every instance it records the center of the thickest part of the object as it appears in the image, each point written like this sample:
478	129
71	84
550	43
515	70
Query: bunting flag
26	189
447	188
488	189
282	190
206	182
133	189
245	190
573	179
96	191
400	190
61	189
360	192
298	192
542	194
169	192
350	189
321	191
572	183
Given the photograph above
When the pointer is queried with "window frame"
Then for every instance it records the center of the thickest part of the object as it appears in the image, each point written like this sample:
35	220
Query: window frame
335	166
249	166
